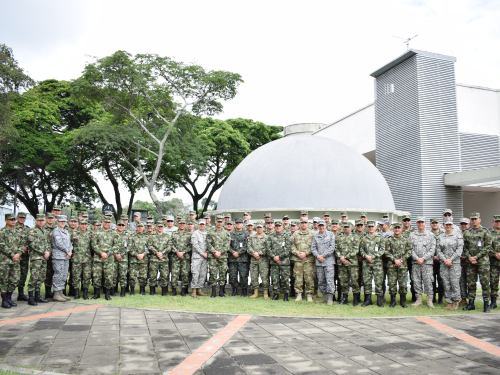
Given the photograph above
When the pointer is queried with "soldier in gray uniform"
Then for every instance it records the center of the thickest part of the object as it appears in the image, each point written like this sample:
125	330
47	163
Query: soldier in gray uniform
323	247
137	218
61	253
199	259
449	249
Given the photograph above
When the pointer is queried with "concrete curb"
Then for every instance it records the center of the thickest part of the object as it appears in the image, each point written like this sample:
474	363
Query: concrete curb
22	370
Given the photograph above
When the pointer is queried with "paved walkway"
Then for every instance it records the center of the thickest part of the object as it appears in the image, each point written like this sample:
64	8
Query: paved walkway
112	340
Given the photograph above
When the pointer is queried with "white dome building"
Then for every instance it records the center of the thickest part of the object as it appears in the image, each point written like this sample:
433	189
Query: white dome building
303	172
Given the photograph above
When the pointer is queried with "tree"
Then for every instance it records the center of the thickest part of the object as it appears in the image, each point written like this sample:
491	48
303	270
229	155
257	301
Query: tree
153	93
174	206
224	144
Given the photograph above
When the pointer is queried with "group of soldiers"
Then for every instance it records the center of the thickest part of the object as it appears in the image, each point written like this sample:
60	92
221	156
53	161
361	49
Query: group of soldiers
298	259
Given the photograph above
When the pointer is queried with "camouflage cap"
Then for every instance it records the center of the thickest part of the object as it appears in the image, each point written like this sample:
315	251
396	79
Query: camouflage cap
73	218
384	214
343	213
370	223
139	224
178	217
21	214
475	215
83	221
285	217
334	221
278	223
250	222
120	222
406	217
464	220
267	215
238	220
447	220
420	218
304	212
190	222
159	223
96	222
304	220
10	216
295	223
496	217
123	217
40	216
230	222
192	212
448	211
270	221
181	221
363	214
359	222
321	222
56	208
107	220
219	218
434	220
50	215
346	223
259	224
150	222
247	213
150	217
84	214
227	216
326	214
316	219
397	225
206	215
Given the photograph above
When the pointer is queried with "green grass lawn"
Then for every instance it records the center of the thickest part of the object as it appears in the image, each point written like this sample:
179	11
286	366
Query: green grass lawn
3	372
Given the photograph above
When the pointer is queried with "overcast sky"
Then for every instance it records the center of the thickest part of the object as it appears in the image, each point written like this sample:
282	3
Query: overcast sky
301	61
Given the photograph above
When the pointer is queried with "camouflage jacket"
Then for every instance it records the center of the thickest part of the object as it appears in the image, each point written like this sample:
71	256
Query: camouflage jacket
257	244
373	246
82	247
495	247
121	244
423	246
406	233
23	234
279	245
477	243
219	240
10	245
239	244
102	242
450	246
348	247
48	232
181	242
37	243
301	243
139	244
159	244
398	248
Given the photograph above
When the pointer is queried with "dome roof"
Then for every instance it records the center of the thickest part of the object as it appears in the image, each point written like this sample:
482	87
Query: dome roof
305	172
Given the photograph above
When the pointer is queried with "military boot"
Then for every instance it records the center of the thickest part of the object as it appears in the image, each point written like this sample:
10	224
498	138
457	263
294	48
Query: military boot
234	292
85	293
393	300
486	307
440	299
71	292
430	303
20	295
164	291
299	297
200	293
329	299
193	293
58	296
244	292
107	292
142	290
77	293
380	301
152	290
292	291
463	302
132	290
221	291
356	299
418	302
5	304
493	304
184	291
309	298
339	293
255	294
123	291
368	300
214	291
112	291
413	297
470	306
174	291
38	297
285	297
345	299
31	299
48	292
97	293
433	298
454	306
276	297
266	294
324	299
12	303
402	300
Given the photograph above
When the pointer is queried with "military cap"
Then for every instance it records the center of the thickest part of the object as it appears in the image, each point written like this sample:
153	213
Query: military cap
496	217
267	215
178	217
159	223
363	214
420	218
370	223
278	223
304	220
304	212
385	214
108	213
96	222
107	220
316	219
343	213
230	222
10	216
397	224
285	217
406	217
62	218
202	221
21	214
150	217
448	211
206	215
84	214
227	216
123	217
139	224
73	218
238	220
334	221
120	222
50	215
475	215
464	220
250	222
40	216
219	218
181	221
169	218
83	221
259	224
57	208
434	220
295	222
359	222
326	214
150	222
346	223
247	213
192	212
448	220
271	221
321	222
383	221
190	222
137	214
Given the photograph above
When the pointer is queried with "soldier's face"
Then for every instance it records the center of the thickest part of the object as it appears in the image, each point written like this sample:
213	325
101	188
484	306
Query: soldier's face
335	226
159	230
464	226
229	227
139	230
219	224
475	222
406	223
207	219
120	228
21	220
56	212
448	228
344	218
278	228
326	218
360	228
239	226
315	225
73	224
170	224
322	228
397	230
83	226
421	226
106	225
250	228
40	223
496	225
294	228
260	230
247	217
347	230
61	224
435	226
371	229
190	227
304	225
50	221
182	226
201	227
192	217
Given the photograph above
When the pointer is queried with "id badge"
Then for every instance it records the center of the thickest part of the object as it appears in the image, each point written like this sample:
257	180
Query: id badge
241	244
124	243
283	244
376	248
479	243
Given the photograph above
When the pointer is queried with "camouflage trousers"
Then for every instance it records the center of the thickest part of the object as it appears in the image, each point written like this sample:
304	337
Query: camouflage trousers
483	272
280	276
423	277
181	267
494	278
218	270
24	264
242	269
61	268
102	274
121	273
304	273
161	268
375	272
397	276
199	268
138	271
49	276
463	280
437	282
326	279
9	277
259	267
82	274
38	270
451	280
349	274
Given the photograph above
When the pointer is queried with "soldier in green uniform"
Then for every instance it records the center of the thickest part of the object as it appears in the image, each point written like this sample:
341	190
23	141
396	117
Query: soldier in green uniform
372	248
407	230
82	259
259	261
11	250
22	230
160	246
327	218
437	280
209	227
138	261
238	258
49	276
294	226
181	260
335	227
121	248
398	251
104	260
286	225
464	225
278	249
304	261
495	260
269	226
346	252
358	233
477	249
218	247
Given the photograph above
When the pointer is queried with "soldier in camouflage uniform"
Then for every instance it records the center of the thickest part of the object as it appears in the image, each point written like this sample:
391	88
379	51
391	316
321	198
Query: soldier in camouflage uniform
464	225
449	249
437	281
347	251
138	259
82	259
495	260
327	219
160	246
372	248
423	250
49	276
323	250
181	260
121	249
294	226
407	230
304	261
269	226
238	258
358	234
22	230
398	251
278	249
477	249
259	261
104	259
11	250
286	225
218	246
39	251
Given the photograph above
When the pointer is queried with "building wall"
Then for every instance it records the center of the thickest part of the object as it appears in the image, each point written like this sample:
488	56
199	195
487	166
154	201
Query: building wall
478	109
487	204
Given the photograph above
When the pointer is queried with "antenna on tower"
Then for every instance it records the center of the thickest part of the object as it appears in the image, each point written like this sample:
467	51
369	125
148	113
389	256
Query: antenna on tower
406	41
